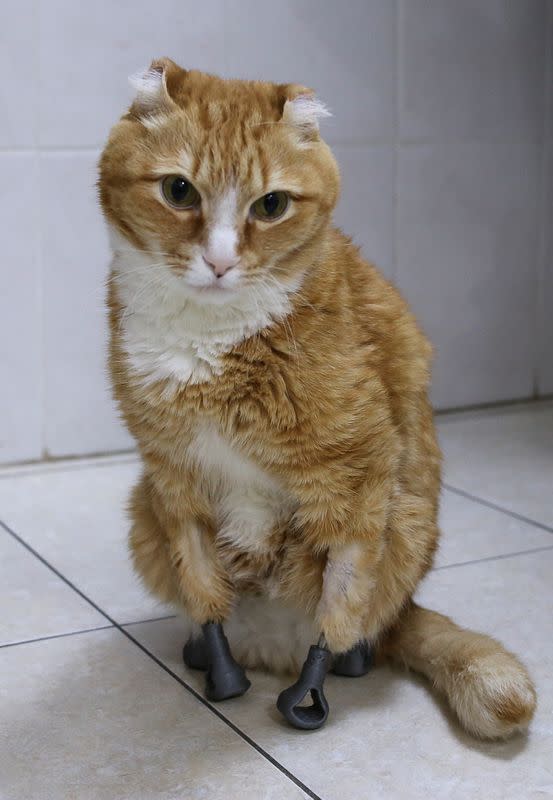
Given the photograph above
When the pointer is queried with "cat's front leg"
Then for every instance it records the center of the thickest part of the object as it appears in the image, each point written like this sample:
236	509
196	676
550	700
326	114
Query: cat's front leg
207	594
204	588
349	536
348	581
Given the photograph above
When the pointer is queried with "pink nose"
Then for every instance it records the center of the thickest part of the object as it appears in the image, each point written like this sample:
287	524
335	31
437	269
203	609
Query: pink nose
220	265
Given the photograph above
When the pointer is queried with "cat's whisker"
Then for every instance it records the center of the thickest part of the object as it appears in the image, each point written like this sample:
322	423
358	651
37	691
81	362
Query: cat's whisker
297	293
141	268
118	277
284	321
131	308
286	274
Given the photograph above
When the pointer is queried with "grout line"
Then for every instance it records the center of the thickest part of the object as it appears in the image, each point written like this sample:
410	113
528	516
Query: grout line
521	518
529	403
151	619
163	666
224	719
494	558
42	466
41	312
43	149
40	236
384	140
56	636
84	630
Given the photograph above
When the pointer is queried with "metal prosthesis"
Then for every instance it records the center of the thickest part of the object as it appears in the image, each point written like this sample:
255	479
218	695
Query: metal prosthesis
211	652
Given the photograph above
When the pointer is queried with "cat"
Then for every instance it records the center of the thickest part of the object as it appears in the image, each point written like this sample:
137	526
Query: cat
277	387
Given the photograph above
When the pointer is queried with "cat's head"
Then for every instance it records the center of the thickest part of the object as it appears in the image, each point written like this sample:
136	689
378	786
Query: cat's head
224	183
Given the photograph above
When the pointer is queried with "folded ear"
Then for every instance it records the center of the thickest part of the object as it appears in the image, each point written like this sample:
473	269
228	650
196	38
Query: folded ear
150	86
303	109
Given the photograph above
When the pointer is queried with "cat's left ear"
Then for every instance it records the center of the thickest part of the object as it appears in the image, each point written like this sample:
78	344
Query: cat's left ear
303	109
150	85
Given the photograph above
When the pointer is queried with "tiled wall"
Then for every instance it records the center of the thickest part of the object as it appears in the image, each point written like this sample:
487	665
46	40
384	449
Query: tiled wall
443	128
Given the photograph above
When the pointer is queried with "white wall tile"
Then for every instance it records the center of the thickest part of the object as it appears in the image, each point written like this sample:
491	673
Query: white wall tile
472	69
20	325
343	51
80	415
87	51
467	260
18	68
366	208
545	288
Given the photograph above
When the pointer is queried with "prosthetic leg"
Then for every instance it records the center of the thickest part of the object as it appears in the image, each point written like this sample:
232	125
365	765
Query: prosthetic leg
211	652
319	661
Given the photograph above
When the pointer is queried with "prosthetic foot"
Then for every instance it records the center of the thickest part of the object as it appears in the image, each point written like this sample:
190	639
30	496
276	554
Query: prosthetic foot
356	662
311	681
225	678
194	653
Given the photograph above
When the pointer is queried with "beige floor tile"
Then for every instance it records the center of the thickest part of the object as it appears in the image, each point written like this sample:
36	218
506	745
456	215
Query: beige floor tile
471	531
76	519
91	717
388	736
504	456
33	601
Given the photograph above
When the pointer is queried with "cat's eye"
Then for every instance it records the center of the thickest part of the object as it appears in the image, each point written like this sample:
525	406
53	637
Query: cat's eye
270	206
179	192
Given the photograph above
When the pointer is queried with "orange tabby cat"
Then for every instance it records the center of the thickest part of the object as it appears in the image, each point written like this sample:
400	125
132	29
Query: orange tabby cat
276	385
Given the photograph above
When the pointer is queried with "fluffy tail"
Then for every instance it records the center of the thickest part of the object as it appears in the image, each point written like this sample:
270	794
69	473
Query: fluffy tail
487	687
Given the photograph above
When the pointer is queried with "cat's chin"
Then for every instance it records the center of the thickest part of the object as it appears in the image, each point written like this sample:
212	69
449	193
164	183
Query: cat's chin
211	295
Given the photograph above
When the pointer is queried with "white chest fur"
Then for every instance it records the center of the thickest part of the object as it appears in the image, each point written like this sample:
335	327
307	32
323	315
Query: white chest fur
162	346
167	331
248	502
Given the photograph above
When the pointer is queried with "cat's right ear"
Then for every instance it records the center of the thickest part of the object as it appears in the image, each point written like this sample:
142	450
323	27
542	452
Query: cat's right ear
150	85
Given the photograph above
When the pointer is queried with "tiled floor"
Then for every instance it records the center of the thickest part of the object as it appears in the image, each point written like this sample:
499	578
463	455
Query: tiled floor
95	701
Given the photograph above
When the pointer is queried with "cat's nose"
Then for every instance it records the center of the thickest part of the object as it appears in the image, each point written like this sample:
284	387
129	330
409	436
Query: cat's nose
220	264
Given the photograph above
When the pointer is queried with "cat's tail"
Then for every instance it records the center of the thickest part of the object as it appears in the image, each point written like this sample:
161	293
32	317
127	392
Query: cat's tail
487	687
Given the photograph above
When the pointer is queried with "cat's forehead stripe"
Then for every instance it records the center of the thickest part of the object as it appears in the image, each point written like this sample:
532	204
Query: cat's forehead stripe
227	208
186	162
